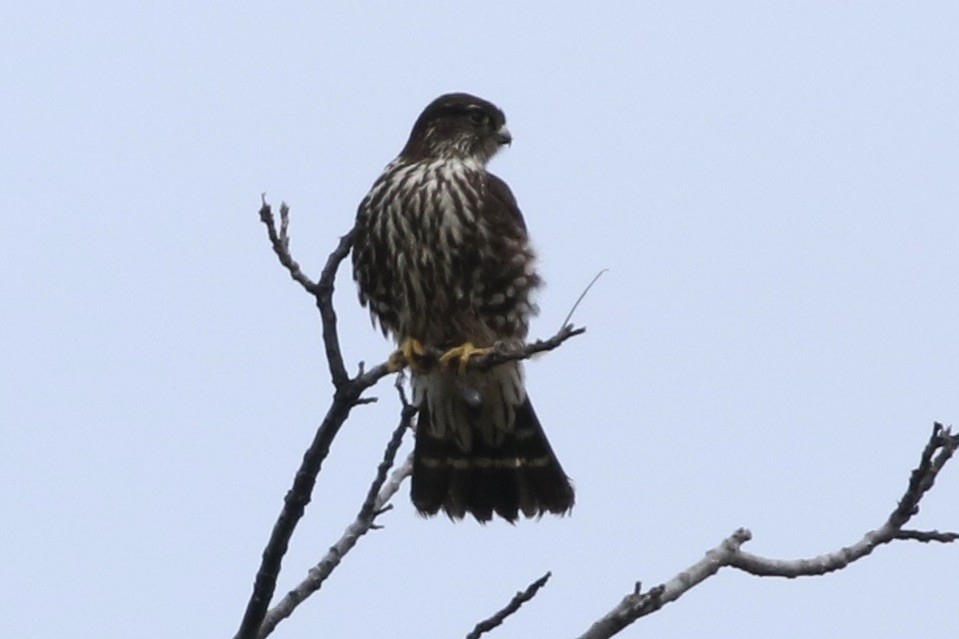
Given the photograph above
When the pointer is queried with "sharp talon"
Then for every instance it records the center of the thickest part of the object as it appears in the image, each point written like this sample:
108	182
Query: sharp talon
407	354
463	354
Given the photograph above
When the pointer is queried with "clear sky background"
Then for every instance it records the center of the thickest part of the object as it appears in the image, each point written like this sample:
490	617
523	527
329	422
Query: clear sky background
772	186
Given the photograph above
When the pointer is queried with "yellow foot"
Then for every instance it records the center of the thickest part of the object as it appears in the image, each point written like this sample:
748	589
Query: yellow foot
407	354
463	354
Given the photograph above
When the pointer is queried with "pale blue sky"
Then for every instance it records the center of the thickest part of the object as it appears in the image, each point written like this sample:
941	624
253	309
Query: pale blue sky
772	186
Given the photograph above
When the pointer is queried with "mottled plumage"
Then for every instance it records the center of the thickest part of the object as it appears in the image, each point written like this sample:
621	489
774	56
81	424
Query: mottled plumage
441	256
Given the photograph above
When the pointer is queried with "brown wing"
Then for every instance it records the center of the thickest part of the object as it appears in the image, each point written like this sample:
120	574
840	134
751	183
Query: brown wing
507	275
501	204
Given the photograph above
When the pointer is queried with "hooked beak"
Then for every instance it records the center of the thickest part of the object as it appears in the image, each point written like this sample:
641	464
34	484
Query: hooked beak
503	136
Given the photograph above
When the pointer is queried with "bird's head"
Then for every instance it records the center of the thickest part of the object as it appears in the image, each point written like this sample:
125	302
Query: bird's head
458	125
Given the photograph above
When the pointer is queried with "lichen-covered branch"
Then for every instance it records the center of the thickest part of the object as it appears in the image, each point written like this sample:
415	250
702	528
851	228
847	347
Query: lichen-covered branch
941	446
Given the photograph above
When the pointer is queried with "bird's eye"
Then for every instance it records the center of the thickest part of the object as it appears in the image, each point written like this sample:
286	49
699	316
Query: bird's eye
478	117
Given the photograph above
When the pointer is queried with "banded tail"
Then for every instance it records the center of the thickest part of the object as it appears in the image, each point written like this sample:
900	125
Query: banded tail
480	449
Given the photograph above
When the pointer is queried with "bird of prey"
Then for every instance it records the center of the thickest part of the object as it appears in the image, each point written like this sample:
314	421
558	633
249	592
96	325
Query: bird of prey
442	259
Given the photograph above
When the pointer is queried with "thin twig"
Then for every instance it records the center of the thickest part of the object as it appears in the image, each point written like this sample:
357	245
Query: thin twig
579	299
373	502
936	453
926	536
280	243
518	600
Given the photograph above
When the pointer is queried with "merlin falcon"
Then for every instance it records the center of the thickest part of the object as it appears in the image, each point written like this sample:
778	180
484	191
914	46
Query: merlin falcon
442	260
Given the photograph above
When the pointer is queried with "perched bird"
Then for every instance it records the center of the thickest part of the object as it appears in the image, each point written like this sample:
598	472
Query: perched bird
442	259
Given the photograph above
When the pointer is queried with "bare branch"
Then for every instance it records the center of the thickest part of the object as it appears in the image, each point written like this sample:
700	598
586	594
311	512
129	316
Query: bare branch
347	396
937	452
375	504
499	353
374	501
505	352
579	299
518	600
926	536
942	444
322	290
281	243
293	506
324	302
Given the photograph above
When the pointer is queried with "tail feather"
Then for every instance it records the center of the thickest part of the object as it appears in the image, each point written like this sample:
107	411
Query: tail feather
518	472
547	484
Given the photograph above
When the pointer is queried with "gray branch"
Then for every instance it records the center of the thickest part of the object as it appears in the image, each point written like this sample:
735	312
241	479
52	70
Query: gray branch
317	574
937	452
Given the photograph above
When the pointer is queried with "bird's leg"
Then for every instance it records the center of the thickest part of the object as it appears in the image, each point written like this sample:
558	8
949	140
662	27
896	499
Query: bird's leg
463	352
407	354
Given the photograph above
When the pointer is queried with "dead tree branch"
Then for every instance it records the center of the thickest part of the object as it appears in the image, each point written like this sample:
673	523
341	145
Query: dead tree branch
376	503
503	352
514	604
346	396
280	240
942	444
